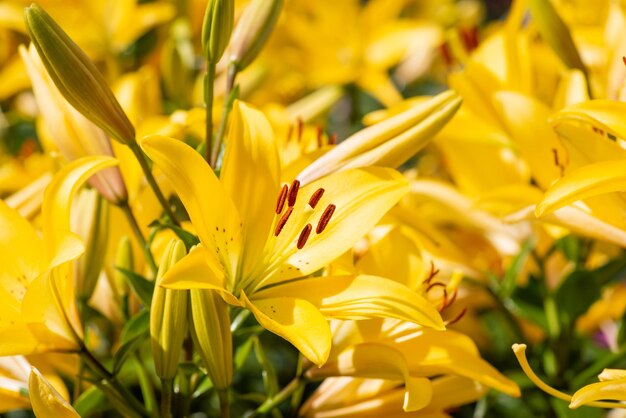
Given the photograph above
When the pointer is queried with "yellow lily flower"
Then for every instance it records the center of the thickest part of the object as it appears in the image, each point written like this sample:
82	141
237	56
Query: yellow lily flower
253	248
37	293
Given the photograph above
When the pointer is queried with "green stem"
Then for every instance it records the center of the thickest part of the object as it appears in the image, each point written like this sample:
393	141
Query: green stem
209	81
224	403
143	162
147	391
167	391
227	107
145	247
110	380
280	397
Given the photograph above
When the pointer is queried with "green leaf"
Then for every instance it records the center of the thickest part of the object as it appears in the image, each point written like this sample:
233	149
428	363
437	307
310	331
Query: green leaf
90	402
138	325
142	287
270	380
124	351
575	295
507	285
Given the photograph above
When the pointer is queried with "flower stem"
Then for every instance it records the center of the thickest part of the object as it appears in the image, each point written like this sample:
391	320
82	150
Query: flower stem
224	403
209	81
167	391
280	397
147	391
227	107
143	162
145	247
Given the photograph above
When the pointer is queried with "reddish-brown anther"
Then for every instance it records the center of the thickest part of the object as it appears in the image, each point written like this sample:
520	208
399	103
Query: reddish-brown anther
282	197
304	236
293	192
332	139
282	221
315	197
325	218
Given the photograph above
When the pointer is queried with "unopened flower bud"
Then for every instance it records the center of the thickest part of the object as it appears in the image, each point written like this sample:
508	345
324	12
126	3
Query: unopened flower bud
211	334
92	224
76	77
123	259
252	31
73	134
388	143
217	27
168	317
177	63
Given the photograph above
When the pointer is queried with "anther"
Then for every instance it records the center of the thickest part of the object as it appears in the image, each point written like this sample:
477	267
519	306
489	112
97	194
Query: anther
332	139
320	132
293	192
325	218
300	128
304	235
282	221
624	60
282	197
315	197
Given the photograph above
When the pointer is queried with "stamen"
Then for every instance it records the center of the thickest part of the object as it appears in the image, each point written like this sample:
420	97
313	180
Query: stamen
325	218
320	132
293	192
282	197
300	128
304	235
444	300
315	197
332	139
432	274
436	284
457	318
624	60
282	221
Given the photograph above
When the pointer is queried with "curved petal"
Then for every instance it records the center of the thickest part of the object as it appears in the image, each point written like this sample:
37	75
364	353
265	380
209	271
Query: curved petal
210	208
614	390
198	270
45	400
359	297
60	243
380	361
587	181
250	174
297	321
607	115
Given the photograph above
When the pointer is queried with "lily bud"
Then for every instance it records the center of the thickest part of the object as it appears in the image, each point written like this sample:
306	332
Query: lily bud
76	77
177	61
71	132
123	258
252	31
217	27
168	317
210	329
92	224
389	143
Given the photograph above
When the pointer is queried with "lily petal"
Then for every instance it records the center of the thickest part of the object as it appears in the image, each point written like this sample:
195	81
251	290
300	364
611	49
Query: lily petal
209	206
587	181
359	297
45	400
297	321
372	360
250	174
60	243
612	390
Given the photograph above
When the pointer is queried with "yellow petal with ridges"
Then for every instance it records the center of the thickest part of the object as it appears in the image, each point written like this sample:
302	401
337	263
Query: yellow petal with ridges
587	181
607	115
210	208
614	390
61	244
359	297
45	400
297	321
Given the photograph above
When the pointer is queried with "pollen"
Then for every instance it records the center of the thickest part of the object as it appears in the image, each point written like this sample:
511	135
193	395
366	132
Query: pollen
282	197
315	197
325	218
283	220
304	236
293	192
